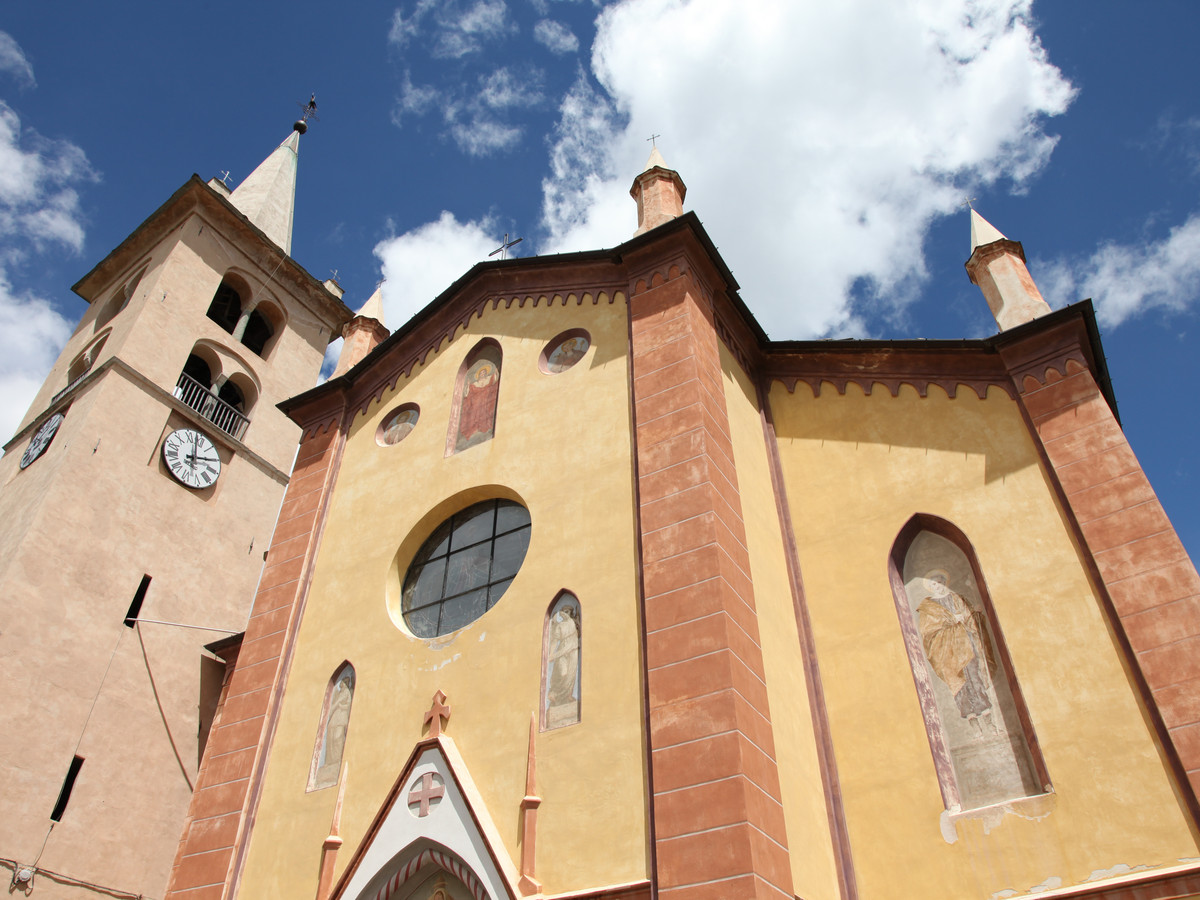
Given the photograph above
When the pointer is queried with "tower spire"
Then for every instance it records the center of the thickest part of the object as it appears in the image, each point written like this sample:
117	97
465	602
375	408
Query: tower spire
268	195
659	192
997	265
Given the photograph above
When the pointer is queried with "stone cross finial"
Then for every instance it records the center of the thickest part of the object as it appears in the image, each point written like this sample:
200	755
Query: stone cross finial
437	713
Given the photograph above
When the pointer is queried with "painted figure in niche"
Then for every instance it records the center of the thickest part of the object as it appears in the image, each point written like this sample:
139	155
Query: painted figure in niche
399	426
956	653
566	354
953	636
562	665
337	723
477	412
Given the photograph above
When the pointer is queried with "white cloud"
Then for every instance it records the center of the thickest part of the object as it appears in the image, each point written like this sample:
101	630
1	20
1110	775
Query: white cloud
421	263
39	213
14	61
474	115
1124	280
818	141
31	335
453	31
556	36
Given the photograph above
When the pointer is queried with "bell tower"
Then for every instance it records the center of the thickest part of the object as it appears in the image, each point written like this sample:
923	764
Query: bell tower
137	499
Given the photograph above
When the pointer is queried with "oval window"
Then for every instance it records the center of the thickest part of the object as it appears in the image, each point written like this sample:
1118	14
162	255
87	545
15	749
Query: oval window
464	567
396	427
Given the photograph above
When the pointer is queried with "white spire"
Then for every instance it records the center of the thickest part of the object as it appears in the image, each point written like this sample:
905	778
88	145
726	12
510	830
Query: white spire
373	308
268	195
983	231
656	159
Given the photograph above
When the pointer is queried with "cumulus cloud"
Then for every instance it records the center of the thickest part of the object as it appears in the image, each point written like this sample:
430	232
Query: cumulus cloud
818	141
451	29
32	333
14	62
1127	279
555	36
423	262
475	115
39	213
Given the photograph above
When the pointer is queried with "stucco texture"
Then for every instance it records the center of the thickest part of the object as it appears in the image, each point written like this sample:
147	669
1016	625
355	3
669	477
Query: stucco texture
562	447
857	468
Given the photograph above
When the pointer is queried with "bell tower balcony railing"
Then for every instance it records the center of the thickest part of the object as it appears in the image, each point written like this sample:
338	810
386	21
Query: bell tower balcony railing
192	393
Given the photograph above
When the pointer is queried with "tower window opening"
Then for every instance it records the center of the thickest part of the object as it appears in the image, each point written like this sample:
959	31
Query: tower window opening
68	785
232	394
258	332
135	605
226	307
198	370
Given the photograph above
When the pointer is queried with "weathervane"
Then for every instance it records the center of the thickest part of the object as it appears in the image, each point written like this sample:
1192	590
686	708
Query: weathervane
504	245
310	112
653	139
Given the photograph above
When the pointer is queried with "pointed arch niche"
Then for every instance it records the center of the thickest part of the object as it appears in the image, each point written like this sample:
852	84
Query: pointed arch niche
983	744
562	662
473	417
331	732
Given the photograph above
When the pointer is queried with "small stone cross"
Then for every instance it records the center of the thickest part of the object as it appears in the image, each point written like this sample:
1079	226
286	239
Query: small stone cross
426	792
436	714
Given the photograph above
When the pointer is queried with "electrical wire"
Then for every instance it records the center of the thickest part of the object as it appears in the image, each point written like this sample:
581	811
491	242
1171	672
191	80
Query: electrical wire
79	882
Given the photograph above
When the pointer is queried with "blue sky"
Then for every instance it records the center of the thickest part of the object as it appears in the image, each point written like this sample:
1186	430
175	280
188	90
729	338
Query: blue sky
826	147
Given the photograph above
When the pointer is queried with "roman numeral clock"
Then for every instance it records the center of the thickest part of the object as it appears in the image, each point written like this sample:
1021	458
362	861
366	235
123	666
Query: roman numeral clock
191	458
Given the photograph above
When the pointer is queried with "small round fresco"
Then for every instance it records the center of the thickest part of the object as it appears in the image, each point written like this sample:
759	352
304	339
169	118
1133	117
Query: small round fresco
565	351
397	425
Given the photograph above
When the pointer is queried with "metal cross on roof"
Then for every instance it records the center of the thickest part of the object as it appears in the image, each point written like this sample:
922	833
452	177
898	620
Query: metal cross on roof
967	201
653	139
504	245
225	177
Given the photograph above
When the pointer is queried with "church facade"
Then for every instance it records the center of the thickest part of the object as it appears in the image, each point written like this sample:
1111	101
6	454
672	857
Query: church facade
578	586
584	588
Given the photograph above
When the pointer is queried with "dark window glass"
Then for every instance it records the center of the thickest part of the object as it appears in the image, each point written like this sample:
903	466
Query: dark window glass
258	332
464	567
226	307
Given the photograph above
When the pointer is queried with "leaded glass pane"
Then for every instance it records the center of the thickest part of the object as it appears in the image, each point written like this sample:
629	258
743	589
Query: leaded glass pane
468	569
510	515
426	588
509	553
462	611
472	526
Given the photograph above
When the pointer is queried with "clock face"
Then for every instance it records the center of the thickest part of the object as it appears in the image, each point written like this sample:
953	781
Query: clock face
41	439
191	458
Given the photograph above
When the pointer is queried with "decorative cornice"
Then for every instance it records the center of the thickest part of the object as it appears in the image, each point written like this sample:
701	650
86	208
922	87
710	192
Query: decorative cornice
947	368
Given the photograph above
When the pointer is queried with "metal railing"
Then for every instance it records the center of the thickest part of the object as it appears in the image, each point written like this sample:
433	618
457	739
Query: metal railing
192	393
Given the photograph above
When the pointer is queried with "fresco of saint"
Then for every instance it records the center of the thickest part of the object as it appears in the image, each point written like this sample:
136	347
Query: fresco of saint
477	412
954	637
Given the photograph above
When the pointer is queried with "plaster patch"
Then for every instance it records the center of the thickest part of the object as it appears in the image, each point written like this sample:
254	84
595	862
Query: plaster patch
1033	809
482	635
444	662
1118	869
1050	884
1007	892
949	832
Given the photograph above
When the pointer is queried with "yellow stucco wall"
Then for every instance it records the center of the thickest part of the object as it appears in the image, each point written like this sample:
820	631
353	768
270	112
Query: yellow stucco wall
562	447
857	468
813	871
